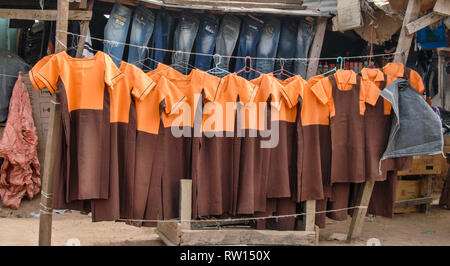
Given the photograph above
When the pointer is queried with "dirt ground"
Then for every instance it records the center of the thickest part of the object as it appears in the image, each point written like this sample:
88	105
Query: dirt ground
21	228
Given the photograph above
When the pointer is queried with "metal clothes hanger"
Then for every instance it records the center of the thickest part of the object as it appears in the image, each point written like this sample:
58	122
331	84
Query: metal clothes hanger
217	70
282	71
248	68
335	68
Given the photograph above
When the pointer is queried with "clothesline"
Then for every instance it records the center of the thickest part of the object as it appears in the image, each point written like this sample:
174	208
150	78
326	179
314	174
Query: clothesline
46	210
230	56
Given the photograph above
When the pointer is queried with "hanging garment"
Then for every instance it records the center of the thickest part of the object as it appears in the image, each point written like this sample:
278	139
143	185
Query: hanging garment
178	129
346	95
20	171
147	202
81	85
134	86
415	129
216	153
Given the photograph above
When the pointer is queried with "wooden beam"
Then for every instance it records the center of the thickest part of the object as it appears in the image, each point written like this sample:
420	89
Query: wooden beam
404	40
422	22
442	7
441	77
413	202
186	202
309	218
83	4
53	136
83	32
316	47
50	15
360	213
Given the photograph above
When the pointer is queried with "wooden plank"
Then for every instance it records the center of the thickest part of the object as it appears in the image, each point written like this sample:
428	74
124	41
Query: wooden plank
164	239
247	237
83	32
50	15
426	191
309	218
424	165
185	203
171	230
316	47
413	202
240	4
422	22
442	7
83	4
441	77
404	40
53	137
359	214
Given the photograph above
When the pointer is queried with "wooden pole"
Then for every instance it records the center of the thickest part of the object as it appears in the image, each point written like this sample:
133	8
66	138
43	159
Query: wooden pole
316	47
83	31
404	40
185	202
53	137
359	214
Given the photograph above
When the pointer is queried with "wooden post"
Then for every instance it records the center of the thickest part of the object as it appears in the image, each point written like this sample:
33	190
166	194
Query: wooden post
359	214
316	47
425	191
53	137
83	31
310	218
185	203
404	40
441	76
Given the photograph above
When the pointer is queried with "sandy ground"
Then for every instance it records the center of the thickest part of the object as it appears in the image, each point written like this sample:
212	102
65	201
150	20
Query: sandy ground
20	228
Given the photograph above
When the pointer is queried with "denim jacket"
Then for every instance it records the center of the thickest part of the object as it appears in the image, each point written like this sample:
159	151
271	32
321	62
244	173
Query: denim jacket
416	128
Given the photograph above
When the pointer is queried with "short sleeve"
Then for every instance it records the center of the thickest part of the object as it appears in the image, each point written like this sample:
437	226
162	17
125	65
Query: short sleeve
371	92
45	74
210	84
293	90
37	83
171	94
112	73
319	91
416	81
142	83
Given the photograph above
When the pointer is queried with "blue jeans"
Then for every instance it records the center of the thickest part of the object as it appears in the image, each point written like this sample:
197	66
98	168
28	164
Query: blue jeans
162	38
267	47
116	30
305	36
226	38
141	31
248	39
184	38
287	45
206	40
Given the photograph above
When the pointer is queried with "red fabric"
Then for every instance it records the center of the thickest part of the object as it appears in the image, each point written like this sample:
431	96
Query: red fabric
20	172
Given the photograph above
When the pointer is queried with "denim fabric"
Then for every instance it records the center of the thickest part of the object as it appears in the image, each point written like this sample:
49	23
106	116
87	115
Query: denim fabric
305	36
248	39
184	38
287	45
10	64
226	38
267	47
141	32
116	30
162	37
416	128
206	40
